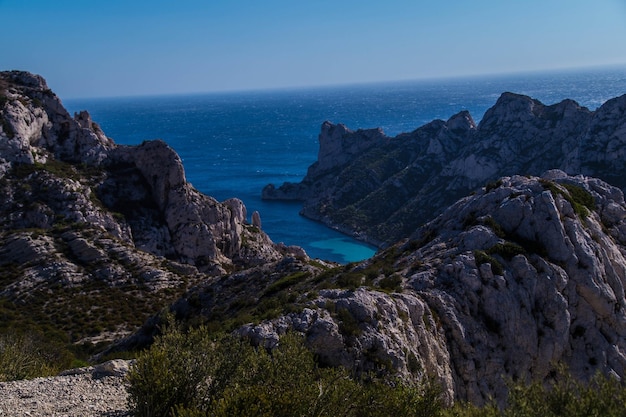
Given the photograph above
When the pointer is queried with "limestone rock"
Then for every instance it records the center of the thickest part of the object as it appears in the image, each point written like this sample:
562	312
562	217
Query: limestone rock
379	189
81	215
504	284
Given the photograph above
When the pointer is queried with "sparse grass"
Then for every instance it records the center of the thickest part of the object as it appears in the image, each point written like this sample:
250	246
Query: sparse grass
27	355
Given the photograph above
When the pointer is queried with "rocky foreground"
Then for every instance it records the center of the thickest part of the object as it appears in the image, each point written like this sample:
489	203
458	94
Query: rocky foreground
87	392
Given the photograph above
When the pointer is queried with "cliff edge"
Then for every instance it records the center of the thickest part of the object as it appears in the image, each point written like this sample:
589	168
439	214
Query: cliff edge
379	189
84	220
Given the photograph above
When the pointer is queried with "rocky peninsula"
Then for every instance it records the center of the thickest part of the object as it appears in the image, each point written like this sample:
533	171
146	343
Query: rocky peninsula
380	189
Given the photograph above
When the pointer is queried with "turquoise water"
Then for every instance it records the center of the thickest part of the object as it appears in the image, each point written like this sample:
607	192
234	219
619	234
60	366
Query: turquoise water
233	144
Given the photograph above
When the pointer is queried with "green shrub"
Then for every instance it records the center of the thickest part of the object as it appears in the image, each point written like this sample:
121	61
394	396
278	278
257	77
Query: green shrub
350	280
495	226
348	325
24	356
602	396
481	257
286	281
195	374
391	283
580	199
493	185
507	250
7	128
171	373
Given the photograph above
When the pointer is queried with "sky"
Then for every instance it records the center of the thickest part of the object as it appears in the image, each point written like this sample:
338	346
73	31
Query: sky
136	47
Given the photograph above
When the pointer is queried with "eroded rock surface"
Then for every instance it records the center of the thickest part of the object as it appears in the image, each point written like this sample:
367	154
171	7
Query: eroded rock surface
505	284
80	214
380	189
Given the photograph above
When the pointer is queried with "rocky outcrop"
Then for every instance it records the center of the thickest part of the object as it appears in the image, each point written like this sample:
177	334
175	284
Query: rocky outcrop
523	275
80	211
380	189
99	390
36	126
506	284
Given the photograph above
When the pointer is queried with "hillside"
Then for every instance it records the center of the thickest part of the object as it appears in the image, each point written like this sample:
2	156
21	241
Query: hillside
509	283
380	189
96	237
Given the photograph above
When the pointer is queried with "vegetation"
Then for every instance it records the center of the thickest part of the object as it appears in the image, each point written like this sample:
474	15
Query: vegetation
25	356
481	257
506	249
493	185
581	200
198	374
603	396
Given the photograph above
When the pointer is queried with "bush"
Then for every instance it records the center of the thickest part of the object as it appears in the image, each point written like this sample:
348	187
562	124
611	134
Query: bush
481	257
602	396
581	200
507	250
195	374
391	283
24	356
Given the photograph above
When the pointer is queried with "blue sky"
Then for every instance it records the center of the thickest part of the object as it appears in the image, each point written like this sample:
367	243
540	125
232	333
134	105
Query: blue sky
118	48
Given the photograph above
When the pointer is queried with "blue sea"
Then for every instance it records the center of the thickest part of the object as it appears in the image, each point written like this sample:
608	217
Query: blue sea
233	144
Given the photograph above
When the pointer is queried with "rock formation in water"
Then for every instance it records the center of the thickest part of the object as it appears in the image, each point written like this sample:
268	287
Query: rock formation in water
80	213
380	189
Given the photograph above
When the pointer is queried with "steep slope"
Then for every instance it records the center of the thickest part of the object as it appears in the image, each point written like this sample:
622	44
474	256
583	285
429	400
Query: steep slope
508	283
94	237
380	189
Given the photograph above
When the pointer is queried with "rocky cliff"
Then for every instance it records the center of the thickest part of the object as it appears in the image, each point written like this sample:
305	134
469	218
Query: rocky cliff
505	284
525	274
83	219
380	189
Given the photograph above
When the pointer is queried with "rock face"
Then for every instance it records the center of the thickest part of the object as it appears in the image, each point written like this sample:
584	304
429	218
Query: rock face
505	284
380	189
79	210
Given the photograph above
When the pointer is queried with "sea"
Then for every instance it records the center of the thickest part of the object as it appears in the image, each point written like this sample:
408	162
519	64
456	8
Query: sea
232	144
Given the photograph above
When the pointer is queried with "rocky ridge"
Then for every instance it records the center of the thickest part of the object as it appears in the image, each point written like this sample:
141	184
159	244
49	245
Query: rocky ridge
380	189
525	274
81	215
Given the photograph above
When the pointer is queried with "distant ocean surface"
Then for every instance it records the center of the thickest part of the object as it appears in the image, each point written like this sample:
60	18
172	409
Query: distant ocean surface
233	144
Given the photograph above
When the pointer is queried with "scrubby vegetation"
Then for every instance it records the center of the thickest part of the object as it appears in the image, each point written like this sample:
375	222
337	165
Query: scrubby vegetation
198	374
603	396
25	356
581	200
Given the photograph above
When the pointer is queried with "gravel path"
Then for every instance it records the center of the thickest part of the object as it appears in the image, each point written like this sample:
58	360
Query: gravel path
87	392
